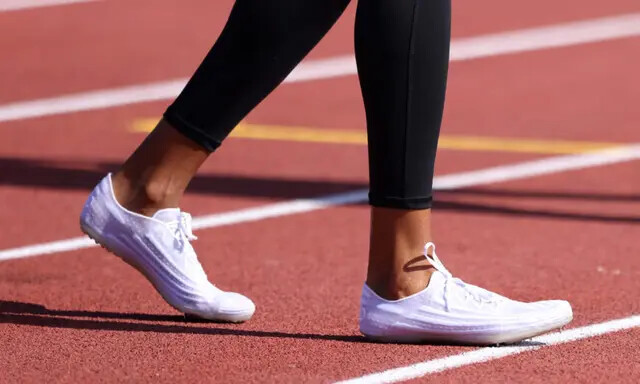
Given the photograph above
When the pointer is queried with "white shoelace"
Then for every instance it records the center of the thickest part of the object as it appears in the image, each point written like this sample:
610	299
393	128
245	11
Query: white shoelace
183	233
478	294
185	226
182	228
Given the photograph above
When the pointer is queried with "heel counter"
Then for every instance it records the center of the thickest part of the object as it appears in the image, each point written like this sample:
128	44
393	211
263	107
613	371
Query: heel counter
365	299
92	212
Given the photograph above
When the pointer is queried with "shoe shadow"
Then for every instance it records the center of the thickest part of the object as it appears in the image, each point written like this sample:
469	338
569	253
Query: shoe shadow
38	315
12	312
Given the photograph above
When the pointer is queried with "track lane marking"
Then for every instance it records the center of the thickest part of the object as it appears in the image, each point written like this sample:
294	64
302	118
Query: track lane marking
19	5
545	166
359	137
517	41
492	353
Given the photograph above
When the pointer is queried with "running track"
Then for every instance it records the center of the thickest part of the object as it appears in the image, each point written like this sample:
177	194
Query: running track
531	228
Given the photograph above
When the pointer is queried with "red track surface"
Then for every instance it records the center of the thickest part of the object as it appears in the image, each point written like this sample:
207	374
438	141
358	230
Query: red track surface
84	315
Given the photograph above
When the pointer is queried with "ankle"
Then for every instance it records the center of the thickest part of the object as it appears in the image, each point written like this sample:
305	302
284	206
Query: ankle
144	196
398	286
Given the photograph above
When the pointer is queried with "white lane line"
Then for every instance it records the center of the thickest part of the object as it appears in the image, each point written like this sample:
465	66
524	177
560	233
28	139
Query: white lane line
524	40
491	353
88	101
18	5
502	173
553	36
544	166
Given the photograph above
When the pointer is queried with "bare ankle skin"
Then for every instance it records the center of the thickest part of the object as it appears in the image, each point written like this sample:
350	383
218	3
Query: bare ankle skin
397	266
156	175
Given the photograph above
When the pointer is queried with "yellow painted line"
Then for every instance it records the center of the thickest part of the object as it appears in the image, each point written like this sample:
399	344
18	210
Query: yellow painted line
278	132
452	142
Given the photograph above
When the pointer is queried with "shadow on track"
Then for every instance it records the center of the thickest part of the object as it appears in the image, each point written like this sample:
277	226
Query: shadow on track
538	194
77	175
457	206
38	315
60	174
12	312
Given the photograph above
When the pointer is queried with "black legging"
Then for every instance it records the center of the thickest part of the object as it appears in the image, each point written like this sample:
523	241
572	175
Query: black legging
402	51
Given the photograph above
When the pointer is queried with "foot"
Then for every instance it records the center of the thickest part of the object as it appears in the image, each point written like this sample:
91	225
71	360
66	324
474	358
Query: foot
159	247
452	311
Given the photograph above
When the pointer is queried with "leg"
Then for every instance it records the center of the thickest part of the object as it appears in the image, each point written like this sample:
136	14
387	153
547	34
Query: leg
260	45
134	213
402	49
156	175
397	268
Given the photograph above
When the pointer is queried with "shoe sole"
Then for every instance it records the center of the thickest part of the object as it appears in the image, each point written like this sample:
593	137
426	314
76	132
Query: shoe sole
477	340
241	318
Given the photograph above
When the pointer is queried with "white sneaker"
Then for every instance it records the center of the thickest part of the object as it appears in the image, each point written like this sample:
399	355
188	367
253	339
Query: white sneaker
450	310
159	248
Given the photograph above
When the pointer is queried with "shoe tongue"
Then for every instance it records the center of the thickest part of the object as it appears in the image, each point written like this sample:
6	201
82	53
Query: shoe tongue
437	278
167	215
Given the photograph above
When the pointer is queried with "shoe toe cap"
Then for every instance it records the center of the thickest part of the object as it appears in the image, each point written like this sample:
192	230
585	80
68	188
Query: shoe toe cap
235	307
558	309
224	306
